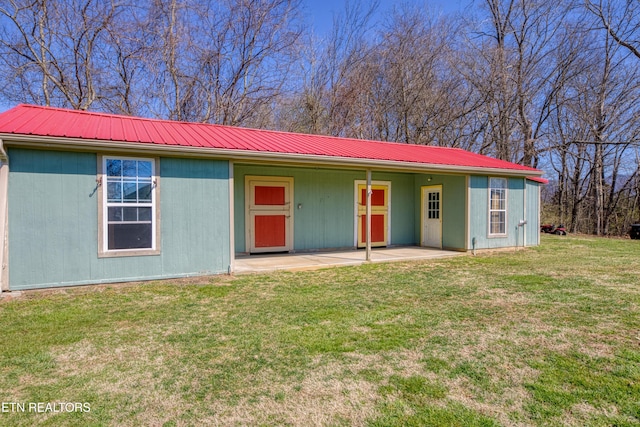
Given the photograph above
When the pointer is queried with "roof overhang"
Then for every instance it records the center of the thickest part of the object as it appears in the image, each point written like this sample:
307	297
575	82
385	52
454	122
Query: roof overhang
77	144
538	179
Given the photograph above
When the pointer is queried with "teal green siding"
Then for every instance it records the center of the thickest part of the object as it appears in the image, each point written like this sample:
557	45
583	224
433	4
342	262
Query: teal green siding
195	215
50	229
53	221
532	228
479	214
53	216
326	219
453	208
403	203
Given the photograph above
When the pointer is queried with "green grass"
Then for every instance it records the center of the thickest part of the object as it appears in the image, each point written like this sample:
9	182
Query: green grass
547	336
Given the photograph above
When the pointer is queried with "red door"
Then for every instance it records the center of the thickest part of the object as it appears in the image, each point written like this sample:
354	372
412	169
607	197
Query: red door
379	214
269	214
269	226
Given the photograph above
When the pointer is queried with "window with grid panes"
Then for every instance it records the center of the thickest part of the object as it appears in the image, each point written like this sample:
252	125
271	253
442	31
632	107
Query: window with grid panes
497	206
129	203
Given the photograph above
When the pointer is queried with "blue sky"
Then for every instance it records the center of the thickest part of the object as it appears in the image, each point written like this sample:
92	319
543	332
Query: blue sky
320	12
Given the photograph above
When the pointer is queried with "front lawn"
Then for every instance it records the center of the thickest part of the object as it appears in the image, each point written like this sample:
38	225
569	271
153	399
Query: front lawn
547	336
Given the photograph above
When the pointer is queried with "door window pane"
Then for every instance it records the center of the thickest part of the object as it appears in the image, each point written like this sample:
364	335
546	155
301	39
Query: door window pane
433	207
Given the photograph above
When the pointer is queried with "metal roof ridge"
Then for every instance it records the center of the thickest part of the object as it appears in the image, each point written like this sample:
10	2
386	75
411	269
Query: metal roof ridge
100	114
250	129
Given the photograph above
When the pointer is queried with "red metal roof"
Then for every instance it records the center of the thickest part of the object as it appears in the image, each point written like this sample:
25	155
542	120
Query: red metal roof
63	123
538	179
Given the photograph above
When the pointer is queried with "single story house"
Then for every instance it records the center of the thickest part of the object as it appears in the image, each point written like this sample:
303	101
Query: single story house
90	198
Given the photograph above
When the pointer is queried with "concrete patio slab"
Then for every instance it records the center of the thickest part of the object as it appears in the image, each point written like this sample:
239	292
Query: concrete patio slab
316	260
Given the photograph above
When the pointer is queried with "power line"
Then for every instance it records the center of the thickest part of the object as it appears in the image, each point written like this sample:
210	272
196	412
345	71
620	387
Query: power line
576	141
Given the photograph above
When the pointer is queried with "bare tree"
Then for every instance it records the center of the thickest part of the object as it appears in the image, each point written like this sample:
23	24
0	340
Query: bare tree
596	118
125	51
398	86
413	68
247	48
621	20
51	50
326	100
214	61
511	62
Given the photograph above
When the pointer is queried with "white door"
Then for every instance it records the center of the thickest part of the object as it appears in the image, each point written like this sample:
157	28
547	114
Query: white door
432	216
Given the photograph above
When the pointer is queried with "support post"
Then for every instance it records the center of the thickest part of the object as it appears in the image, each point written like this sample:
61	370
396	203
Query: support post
368	216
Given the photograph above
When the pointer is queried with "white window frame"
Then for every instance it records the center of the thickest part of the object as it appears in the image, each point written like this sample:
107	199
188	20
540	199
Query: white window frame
490	209
103	209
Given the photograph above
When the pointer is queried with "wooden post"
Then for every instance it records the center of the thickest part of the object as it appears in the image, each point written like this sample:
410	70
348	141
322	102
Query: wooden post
368	216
